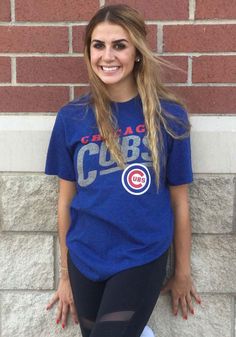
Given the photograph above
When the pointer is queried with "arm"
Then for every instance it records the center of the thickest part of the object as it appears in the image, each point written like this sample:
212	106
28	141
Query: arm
63	294
181	285
183	230
67	190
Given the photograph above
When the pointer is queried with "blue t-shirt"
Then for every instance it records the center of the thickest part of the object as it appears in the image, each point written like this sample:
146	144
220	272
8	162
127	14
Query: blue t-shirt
118	217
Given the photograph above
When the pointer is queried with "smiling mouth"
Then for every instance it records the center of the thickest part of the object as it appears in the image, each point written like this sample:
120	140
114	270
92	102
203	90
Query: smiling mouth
109	69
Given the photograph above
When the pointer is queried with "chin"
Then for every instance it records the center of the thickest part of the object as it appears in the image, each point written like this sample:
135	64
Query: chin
109	81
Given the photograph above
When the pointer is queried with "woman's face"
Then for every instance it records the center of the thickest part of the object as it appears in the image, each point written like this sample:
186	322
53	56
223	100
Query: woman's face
113	56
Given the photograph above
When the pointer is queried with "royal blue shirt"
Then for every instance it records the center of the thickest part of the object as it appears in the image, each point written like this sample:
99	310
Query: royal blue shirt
118	217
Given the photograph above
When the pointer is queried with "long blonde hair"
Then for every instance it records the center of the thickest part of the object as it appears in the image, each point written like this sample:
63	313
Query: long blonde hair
149	86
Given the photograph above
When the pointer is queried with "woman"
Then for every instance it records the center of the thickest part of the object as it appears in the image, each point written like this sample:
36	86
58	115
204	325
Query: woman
122	155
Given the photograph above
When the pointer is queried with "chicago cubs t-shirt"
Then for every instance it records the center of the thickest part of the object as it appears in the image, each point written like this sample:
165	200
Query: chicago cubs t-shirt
118	217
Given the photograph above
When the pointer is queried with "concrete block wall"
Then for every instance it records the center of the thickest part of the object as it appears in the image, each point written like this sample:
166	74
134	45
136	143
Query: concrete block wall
29	258
41	68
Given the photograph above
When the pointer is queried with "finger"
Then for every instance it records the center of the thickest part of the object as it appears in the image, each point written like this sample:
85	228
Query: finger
175	304
74	313
195	295
64	314
190	303
59	312
53	300
184	309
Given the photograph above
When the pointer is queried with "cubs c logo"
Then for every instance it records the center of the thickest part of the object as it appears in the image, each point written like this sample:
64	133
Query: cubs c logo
136	179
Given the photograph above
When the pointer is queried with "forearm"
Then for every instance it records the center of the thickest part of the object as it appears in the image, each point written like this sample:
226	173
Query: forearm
67	191
182	229
182	242
63	227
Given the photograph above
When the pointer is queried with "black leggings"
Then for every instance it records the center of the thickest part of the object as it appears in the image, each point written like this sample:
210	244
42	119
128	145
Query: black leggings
121	305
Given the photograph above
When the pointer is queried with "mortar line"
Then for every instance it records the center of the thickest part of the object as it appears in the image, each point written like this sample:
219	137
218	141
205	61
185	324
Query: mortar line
32	85
75	54
70	39
42	55
13	71
192	9
45	23
13	15
190	70
191	23
71	93
160	39
155	22
102	3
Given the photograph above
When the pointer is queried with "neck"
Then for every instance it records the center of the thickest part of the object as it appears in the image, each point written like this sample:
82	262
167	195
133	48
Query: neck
122	93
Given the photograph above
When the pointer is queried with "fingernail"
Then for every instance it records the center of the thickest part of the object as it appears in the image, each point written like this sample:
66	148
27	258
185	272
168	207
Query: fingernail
175	313
57	321
192	312
63	326
185	317
199	301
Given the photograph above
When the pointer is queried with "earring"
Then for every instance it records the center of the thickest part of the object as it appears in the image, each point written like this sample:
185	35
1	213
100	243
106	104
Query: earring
138	59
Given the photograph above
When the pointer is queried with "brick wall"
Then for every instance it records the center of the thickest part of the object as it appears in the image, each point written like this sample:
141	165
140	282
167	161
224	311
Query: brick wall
41	68
41	63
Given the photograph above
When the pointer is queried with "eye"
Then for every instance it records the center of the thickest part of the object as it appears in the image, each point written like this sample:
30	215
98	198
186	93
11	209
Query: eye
119	46
98	45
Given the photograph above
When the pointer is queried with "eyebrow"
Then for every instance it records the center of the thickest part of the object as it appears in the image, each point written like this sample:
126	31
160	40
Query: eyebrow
115	41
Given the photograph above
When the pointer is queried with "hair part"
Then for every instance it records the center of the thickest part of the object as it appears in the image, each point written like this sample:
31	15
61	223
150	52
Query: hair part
147	77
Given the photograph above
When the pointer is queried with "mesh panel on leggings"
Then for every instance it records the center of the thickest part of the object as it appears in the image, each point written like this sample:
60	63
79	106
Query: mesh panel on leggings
117	316
112	324
87	323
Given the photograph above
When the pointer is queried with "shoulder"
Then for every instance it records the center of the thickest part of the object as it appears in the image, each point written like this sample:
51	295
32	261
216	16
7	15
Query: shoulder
176	118
174	109
78	109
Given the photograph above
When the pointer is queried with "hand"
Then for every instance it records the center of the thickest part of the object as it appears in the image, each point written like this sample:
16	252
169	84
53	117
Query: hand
66	303
182	289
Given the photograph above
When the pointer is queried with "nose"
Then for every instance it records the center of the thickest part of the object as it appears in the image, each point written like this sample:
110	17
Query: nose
108	54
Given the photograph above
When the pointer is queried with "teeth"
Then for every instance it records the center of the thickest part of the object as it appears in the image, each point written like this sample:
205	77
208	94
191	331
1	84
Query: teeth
109	68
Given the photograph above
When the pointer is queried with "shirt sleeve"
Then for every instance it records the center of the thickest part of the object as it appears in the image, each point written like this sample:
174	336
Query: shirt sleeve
59	159
179	162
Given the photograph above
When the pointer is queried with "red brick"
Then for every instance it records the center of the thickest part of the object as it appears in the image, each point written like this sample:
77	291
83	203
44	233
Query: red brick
51	70
78	39
5	69
199	38
152	36
215	9
55	10
214	69
79	34
213	100
34	39
158	9
174	75
5	10
32	99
